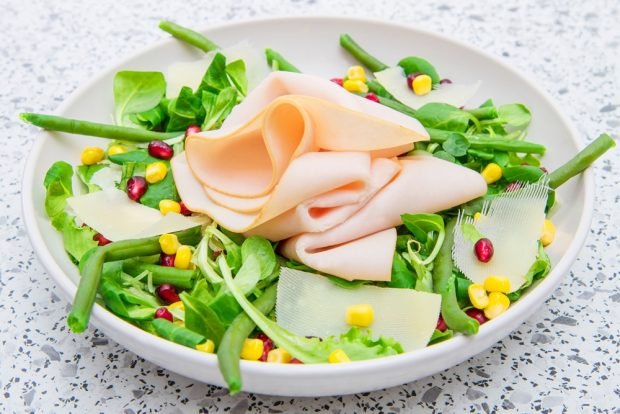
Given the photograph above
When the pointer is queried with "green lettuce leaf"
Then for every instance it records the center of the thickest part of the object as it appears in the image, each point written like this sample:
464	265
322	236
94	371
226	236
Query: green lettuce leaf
136	92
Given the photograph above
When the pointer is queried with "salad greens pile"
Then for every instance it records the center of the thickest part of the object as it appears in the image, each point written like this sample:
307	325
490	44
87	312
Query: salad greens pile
228	293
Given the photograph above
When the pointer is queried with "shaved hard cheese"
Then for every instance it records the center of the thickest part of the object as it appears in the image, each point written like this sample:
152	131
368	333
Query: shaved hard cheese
111	213
190	73
513	222
394	81
310	305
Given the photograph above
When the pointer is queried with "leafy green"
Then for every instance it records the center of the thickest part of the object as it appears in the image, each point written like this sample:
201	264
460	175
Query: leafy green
136	92
153	118
443	116
125	300
413	64
177	334
215	78
340	282
539	269
355	343
137	156
236	72
439	336
402	276
185	110
421	224
217	107
201	318
444	156
85	174
456	145
162	190
470	232
524	173
516	115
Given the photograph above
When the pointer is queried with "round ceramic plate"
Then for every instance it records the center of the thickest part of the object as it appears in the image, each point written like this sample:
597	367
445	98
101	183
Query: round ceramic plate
312	44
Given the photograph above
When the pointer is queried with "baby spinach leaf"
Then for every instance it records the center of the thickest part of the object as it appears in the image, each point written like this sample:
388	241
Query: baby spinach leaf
456	145
217	107
516	115
443	116
153	118
136	92
177	334
215	78
136	156
525	173
162	190
413	64
402	276
185	110
237	75
201	318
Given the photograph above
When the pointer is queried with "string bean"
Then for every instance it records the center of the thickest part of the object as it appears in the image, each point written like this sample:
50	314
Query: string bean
188	36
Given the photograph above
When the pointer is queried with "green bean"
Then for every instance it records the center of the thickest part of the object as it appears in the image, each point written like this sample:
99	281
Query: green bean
94	129
397	106
481	154
366	59
444	284
229	351
375	87
91	270
161	274
177	334
581	161
482	142
188	36
281	63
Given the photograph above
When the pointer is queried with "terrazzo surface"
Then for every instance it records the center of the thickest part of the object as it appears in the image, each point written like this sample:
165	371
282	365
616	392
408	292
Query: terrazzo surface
564	359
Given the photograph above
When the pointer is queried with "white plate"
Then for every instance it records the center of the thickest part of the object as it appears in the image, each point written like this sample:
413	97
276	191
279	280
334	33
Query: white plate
312	44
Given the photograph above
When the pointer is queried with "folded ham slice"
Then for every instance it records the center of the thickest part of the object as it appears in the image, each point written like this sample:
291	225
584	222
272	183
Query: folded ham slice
424	185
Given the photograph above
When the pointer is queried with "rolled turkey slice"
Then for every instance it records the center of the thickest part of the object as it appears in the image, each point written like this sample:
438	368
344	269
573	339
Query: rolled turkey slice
424	185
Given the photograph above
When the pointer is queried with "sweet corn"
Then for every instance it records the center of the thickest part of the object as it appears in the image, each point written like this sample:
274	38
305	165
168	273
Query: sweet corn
477	216
338	356
548	233
116	149
155	172
207	347
497	284
279	356
183	258
356	73
179	322
477	296
176	305
498	303
492	173
355	85
422	85
252	349
360	315
169	206
91	155
169	243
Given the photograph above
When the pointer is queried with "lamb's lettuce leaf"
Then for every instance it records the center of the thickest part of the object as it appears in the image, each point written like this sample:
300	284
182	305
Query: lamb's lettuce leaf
136	92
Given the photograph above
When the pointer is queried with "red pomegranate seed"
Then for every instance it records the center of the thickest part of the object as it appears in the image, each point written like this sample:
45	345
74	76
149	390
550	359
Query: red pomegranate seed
136	187
101	240
477	314
184	210
295	361
372	97
441	324
166	259
514	186
192	129
337	81
445	81
411	77
484	250
168	293
163	313
267	346
161	150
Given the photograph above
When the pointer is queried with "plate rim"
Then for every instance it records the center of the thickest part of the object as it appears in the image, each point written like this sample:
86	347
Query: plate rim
103	319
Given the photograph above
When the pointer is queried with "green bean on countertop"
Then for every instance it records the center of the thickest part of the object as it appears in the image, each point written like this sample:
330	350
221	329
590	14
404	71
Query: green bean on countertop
91	271
188	36
444	284
229	351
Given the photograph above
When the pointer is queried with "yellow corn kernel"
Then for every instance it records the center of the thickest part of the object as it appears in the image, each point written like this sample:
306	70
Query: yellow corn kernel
155	172
356	73
91	155
183	258
422	85
279	356
179	322
498	303
338	356
360	315
477	216
492	173
548	233
116	149
252	349
177	305
169	243
355	85
169	206
207	347
478	296
497	284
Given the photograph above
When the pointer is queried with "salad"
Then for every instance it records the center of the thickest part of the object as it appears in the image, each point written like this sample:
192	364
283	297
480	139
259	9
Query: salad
246	209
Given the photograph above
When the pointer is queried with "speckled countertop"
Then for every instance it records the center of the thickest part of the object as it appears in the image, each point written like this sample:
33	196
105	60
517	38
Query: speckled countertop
563	359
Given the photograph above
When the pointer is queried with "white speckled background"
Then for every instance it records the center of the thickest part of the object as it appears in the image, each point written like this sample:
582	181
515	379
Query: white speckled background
561	360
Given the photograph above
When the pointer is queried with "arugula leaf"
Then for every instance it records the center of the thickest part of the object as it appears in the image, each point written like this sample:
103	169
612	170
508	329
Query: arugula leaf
215	78
413	64
443	116
201	318
217	107
236	73
185	110
456	145
177	334
402	276
136	92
